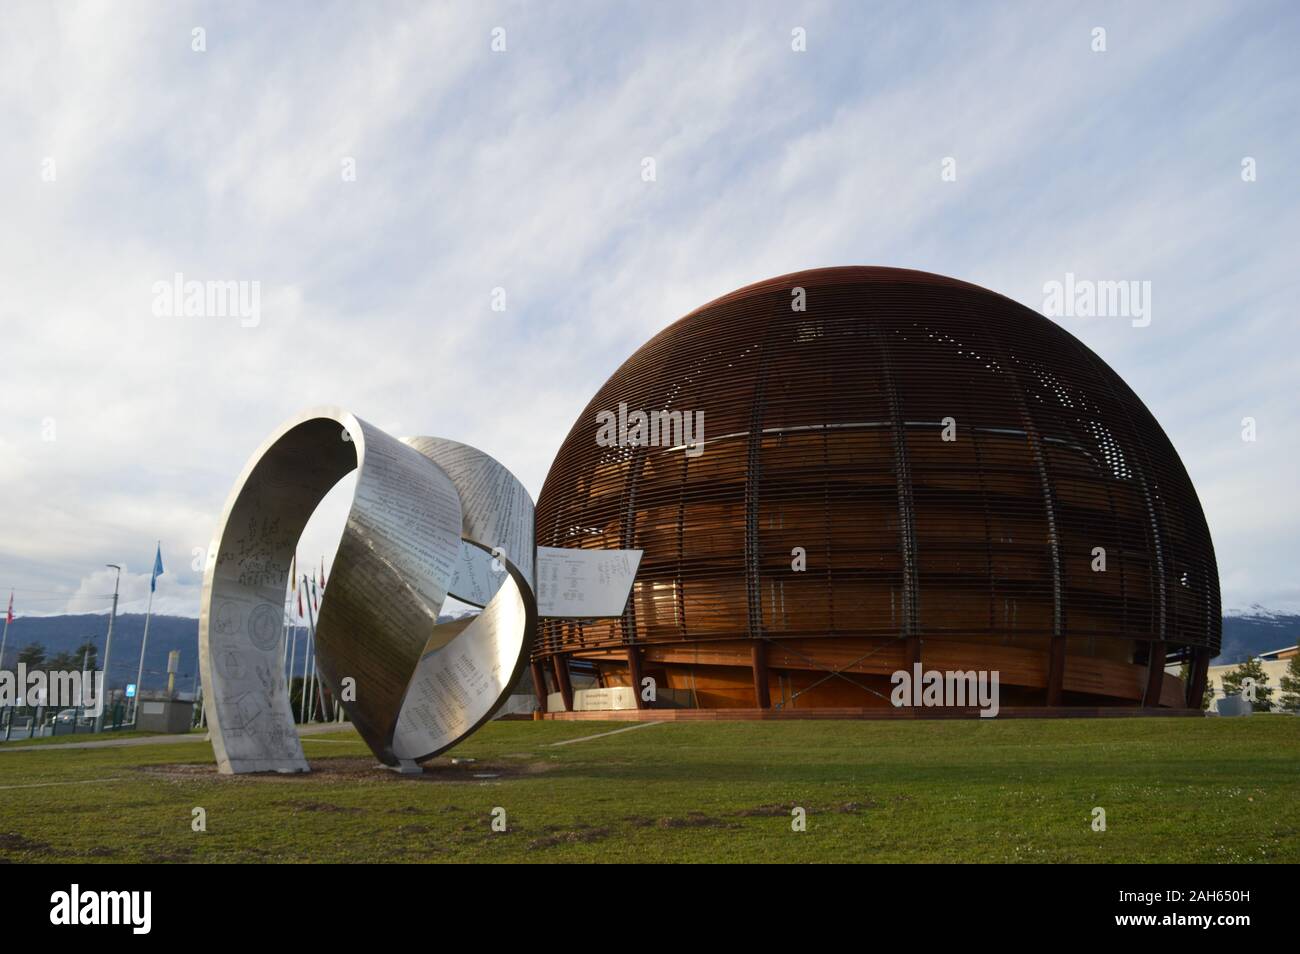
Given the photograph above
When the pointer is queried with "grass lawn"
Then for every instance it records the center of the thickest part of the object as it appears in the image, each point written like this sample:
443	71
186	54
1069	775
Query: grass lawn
1174	790
84	735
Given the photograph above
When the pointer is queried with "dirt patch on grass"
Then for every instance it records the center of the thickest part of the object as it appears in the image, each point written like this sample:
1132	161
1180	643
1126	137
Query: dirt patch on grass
772	811
12	843
328	808
695	820
583	834
691	820
358	769
852	808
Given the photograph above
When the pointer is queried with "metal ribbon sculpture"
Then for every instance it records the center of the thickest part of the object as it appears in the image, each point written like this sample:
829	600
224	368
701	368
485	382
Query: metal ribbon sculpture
429	518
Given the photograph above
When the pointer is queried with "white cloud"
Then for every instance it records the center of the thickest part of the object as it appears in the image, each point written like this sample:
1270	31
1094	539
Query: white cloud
522	170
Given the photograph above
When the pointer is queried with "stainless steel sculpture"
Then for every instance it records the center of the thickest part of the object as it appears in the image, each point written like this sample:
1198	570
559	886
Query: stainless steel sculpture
429	518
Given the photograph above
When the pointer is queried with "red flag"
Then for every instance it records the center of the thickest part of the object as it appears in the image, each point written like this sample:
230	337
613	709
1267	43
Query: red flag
9	616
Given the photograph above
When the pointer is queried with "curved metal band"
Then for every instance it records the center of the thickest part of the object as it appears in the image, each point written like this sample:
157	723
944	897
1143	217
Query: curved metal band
396	563
459	683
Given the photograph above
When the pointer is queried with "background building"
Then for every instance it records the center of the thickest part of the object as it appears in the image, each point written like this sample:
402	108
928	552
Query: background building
970	487
1274	663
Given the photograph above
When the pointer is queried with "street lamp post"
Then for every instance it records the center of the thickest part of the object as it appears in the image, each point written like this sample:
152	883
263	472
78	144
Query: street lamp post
108	646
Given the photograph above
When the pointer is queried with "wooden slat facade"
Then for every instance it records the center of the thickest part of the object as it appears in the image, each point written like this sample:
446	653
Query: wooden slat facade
826	433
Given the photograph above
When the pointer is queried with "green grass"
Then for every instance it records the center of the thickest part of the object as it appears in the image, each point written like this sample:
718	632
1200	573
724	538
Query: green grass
82	735
1174	790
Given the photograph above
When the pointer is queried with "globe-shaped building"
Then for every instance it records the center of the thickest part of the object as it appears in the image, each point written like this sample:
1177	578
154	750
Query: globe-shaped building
895	467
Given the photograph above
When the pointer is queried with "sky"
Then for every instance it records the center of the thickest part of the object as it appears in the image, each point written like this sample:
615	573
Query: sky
384	175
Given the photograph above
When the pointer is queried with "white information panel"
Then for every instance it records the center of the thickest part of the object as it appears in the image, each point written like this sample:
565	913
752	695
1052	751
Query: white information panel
584	584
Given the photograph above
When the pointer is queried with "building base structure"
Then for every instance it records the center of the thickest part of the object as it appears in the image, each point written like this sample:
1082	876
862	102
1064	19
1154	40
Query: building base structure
756	715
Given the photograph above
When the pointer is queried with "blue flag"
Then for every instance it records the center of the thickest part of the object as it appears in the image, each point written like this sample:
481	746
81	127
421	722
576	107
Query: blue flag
157	569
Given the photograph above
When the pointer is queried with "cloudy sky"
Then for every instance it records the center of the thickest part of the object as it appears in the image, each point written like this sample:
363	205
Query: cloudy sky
128	156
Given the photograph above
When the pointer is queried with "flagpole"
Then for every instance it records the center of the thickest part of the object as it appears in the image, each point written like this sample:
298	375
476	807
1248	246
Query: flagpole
306	653
7	717
148	613
108	646
317	688
311	622
139	672
333	700
5	639
293	656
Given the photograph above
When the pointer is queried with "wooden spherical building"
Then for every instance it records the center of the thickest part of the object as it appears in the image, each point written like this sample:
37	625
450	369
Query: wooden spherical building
895	467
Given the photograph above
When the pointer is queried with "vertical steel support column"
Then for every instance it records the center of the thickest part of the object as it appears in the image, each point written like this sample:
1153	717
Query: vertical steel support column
906	513
753	470
911	651
1056	653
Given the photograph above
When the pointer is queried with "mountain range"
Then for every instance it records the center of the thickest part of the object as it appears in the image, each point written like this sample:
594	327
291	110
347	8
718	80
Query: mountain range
1246	634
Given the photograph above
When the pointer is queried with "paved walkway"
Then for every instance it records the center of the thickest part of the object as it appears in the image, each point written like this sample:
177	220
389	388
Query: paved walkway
601	735
315	729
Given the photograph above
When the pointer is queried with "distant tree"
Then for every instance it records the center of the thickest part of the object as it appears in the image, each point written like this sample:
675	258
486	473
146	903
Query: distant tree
87	655
33	655
63	662
1290	684
1253	669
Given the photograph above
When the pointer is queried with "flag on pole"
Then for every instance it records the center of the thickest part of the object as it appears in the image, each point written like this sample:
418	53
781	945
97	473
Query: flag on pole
293	575
322	573
315	603
157	568
9	616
